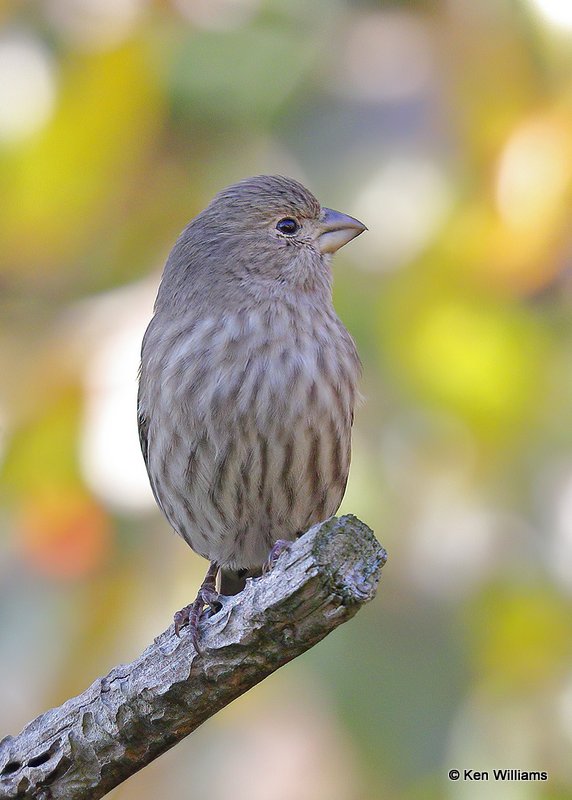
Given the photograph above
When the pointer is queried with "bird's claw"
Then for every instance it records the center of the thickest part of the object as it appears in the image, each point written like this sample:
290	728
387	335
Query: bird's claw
190	615
181	618
280	546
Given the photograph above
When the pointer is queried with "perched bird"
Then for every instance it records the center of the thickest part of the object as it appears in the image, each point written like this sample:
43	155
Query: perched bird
248	380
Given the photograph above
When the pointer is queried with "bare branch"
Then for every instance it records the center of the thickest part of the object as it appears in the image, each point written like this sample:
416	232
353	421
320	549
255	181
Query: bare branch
123	721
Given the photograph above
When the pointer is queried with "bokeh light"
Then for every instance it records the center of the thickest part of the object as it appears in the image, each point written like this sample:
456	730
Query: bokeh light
110	450
556	12
94	24
27	85
389	56
404	203
63	535
534	174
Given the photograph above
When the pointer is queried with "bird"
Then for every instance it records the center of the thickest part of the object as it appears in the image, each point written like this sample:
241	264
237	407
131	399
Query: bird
248	381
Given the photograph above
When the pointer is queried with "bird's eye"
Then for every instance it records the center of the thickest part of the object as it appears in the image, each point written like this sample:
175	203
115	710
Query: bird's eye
287	225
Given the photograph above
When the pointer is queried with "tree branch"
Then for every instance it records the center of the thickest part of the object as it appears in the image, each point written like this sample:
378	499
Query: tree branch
123	721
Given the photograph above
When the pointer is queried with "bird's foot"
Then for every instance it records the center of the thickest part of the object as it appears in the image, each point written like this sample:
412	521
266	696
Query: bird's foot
280	546
207	596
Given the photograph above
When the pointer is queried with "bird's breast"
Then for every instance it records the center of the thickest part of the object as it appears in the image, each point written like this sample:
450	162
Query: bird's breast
252	418
266	367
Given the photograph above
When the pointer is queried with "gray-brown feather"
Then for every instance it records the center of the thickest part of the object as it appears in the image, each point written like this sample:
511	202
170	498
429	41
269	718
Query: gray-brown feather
248	380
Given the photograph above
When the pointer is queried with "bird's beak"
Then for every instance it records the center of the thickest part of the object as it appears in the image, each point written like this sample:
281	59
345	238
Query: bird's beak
337	229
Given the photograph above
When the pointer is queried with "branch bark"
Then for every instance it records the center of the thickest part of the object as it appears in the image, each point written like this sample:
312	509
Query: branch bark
94	741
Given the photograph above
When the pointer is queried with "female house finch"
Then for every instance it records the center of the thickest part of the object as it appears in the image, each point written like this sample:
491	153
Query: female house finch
248	379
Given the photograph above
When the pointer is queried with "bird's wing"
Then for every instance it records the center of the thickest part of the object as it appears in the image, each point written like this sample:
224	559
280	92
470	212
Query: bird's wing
143	424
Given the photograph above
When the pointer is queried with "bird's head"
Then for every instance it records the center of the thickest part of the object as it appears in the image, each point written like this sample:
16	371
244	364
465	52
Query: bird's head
265	234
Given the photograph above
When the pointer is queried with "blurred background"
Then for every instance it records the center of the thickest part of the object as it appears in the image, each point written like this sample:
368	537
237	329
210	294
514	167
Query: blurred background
447	128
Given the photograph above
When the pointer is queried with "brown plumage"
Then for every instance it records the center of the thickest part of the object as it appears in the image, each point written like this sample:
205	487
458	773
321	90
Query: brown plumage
248	378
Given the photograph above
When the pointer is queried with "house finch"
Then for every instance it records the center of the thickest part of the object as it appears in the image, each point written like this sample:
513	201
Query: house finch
248	380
